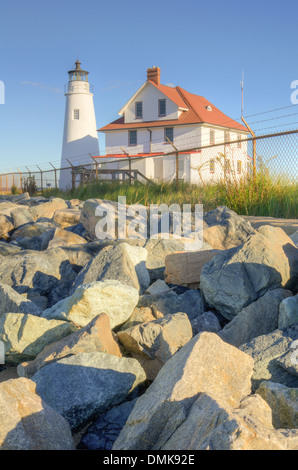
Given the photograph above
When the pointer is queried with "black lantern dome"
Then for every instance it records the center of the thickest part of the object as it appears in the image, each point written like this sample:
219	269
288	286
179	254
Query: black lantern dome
78	74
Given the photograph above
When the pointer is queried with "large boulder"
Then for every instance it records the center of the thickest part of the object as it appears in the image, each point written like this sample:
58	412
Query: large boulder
140	315
66	218
111	263
190	302
63	237
103	433
283	402
21	216
259	318
288	312
25	336
48	274
32	229
204	365
268	351
6	207
96	336
7	249
87	384
212	425
158	250
90	220
5	226
46	210
155	342
27	422
237	277
12	302
117	300
225	229
184	268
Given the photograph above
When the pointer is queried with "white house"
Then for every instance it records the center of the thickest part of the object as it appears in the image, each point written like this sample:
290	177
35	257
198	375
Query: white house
157	114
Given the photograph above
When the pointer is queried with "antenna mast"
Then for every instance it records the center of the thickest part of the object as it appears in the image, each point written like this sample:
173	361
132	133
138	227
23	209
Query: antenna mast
242	89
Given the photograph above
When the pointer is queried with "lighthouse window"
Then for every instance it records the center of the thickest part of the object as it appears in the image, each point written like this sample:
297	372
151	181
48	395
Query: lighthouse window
76	114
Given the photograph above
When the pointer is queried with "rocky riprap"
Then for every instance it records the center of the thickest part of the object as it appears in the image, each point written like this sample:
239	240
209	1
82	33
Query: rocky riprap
136	344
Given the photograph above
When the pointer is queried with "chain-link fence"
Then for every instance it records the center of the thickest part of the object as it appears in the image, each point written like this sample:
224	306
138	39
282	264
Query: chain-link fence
275	154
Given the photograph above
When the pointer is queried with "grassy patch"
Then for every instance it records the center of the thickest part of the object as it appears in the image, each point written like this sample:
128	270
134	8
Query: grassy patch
262	197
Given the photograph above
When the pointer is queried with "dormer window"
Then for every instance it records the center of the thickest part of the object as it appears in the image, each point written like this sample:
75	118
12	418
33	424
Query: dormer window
139	109
162	108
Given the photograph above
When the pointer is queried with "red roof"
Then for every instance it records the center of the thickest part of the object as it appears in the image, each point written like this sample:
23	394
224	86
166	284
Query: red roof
197	113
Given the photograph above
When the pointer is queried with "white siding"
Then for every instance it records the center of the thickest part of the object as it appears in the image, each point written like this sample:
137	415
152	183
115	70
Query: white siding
150	95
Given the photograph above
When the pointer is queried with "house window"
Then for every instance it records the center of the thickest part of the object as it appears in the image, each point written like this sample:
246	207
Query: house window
212	165
139	109
169	134
76	114
227	137
132	138
239	167
212	137
162	107
239	141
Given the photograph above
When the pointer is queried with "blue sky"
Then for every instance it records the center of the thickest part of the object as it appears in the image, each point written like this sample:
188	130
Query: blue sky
200	46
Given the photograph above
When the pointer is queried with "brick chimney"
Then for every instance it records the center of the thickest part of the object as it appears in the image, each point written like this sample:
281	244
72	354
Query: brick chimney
153	74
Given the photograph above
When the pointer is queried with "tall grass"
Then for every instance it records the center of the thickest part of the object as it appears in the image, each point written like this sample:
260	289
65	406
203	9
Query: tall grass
263	196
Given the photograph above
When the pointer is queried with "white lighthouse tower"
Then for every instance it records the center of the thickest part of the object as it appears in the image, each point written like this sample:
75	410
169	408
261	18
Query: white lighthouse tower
80	132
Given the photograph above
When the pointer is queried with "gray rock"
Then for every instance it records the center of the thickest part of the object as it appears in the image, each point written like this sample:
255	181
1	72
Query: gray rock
104	432
259	318
294	238
283	402
208	321
12	302
225	229
27	422
46	274
25	336
266	351
5	226
288	312
7	249
212	425
237	277
33	229
155	342
111	263
115	299
87	384
190	302
205	365
20	216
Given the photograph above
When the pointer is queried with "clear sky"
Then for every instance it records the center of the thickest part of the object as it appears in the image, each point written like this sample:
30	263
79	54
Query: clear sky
201	46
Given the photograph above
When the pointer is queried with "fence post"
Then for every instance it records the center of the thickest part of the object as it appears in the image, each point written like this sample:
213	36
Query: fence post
21	181
177	162
55	170
41	179
73	182
254	152
129	165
